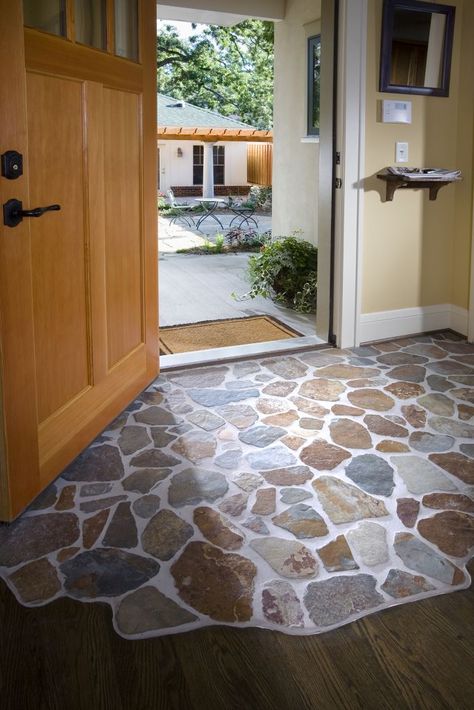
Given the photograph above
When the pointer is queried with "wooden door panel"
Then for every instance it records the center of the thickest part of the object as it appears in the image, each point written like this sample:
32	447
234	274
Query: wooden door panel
122	169
58	239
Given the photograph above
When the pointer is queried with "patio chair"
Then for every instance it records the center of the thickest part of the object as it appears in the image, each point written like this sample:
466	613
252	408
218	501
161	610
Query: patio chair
181	211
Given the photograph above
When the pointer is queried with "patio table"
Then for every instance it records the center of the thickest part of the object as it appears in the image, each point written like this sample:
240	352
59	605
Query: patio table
245	214
210	205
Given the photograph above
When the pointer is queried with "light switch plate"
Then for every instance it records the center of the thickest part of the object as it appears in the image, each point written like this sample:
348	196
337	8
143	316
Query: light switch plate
401	152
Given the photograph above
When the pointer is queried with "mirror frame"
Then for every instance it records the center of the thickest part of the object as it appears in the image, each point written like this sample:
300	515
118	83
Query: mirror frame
389	8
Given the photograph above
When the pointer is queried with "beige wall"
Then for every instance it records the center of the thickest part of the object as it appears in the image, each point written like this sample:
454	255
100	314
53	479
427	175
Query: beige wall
417	252
295	163
265	9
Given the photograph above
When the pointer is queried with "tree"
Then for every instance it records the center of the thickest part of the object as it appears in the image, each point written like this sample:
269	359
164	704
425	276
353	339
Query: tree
224	69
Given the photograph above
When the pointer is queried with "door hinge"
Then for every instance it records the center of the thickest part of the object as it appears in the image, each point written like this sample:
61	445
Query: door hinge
338	158
338	183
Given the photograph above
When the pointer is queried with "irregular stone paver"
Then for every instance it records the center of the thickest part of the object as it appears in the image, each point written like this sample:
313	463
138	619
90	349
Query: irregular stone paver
28	538
415	415
234	505
157	416
270	458
46	499
427	350
206	420
146	506
320	359
239	384
132	439
106	573
195	446
344	503
439	383
452	427
437	404
161	438
311	424
152	397
302	520
281	605
371	399
288	368
456	464
420	476
407	511
95	489
449	367
281	419
291	476
146	479
345	410
287	557
383	426
451	531
463	393
392	447
294	495
66	498
147	609
400	584
101	463
419	557
293	442
449	501
194	485
347	372
36	581
91	506
218	398
401	358
467	449
280	389
92	528
363	382
154	458
165	534
261	436
217	584
465	412
122	529
248	481
351	434
217	529
307	406
408	373
369	540
201	377
242	369
265	501
229	459
334	600
426	442
265	405
371	473
255	523
337	555
67	553
322	389
323	456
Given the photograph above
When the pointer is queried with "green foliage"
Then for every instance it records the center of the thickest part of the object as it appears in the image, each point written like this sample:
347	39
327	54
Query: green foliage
219	243
286	271
224	69
245	239
260	197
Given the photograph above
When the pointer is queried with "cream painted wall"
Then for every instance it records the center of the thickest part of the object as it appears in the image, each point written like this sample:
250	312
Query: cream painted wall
295	163
416	252
265	9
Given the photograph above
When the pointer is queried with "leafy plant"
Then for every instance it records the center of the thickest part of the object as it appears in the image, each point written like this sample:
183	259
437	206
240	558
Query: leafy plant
243	240
260	196
219	243
286	271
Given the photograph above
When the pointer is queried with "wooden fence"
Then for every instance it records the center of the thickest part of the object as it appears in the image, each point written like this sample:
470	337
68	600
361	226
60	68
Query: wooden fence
259	163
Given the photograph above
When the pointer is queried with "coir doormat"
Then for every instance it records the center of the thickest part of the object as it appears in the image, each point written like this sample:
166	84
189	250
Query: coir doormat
223	333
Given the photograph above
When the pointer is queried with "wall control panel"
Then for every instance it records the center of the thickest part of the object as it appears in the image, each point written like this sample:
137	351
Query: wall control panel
396	111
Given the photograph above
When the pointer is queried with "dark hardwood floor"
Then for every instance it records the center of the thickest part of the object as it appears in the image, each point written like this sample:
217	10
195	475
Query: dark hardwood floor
66	656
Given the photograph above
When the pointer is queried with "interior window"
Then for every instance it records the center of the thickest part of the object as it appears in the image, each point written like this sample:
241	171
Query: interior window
47	15
314	81
90	20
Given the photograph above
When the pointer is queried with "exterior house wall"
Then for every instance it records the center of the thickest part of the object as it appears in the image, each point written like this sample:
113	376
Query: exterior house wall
296	157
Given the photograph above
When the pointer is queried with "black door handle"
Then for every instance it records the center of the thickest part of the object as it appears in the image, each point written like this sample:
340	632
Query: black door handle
13	212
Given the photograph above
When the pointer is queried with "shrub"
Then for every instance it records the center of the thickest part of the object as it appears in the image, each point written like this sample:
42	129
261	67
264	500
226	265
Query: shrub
286	271
260	197
241	239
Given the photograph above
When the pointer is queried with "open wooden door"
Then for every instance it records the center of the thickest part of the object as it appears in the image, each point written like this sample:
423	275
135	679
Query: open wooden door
78	287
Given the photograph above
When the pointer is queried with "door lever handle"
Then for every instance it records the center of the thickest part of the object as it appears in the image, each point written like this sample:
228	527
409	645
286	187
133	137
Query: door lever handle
13	212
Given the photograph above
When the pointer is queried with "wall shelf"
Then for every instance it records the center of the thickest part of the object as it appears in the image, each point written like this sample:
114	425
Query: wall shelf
397	182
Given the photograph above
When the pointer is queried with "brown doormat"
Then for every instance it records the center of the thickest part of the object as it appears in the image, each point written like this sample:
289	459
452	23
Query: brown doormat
223	333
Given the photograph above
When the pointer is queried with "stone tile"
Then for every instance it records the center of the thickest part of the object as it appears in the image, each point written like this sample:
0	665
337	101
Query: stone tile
248	481
195	446
46	499
261	436
371	399
206	420
419	557
407	511
157	416
322	390
437	404
420	476
146	506
200	377
439	383
36	581
451	531
307	406
229	460
95	489
450	501
347	372
256	524
154	458
280	388
334	600
463	393
454	347
344	503
369	540
106	573
400	584
219	398
288	368
265	501
92	528
449	367
467	380
92	506
194	485
214	583
242	369
132	439
265	405
401	358
301	520
350	434
239	415
363	382
101	463
426	442
161	438
294	495
283	419
147	609
427	350
289	558
146	479
239	384
288	476
467	449
337	555
234	505
165	534
311	424
270	458
320	359
408	373
415	415
28	538
281	605
66	498
451	427
323	456
151	397
465	412
371	473
383	426
392	447
345	410
217	529
293	442
122	529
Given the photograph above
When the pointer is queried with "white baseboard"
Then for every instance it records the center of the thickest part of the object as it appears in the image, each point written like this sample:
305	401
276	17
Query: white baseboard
407	321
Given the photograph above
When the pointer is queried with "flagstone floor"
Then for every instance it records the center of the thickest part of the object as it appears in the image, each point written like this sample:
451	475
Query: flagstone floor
295	493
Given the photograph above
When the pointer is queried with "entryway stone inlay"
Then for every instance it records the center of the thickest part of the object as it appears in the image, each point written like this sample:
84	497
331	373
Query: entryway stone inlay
292	493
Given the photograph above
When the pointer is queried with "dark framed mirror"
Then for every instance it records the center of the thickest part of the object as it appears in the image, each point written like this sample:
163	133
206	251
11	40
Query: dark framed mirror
417	43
